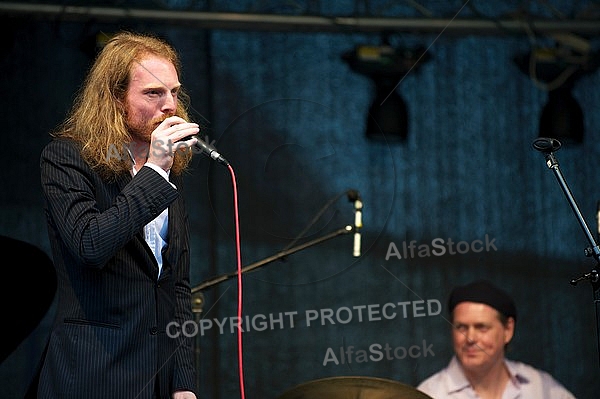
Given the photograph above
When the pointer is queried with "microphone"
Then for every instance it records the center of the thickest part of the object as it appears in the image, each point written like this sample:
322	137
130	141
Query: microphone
353	196
208	150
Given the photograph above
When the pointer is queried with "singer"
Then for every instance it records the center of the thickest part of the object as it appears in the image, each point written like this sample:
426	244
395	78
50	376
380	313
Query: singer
118	228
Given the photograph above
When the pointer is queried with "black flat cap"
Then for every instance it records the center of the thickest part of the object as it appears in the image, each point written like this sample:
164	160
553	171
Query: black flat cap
483	291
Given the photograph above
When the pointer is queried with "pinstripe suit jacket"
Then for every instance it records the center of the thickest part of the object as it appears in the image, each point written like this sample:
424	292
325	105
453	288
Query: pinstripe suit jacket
109	337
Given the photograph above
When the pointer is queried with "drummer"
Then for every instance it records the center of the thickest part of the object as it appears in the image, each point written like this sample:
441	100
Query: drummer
483	323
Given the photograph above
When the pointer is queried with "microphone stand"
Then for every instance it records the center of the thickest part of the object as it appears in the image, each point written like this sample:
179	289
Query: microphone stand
198	302
547	146
198	296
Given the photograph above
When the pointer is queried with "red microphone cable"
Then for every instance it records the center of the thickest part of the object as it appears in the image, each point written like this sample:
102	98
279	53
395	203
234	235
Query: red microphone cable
239	281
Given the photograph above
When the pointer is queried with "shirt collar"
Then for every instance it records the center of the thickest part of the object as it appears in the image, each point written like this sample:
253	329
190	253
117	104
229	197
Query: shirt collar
458	381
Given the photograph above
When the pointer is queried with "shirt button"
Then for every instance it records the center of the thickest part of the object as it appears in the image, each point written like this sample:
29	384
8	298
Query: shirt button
153	330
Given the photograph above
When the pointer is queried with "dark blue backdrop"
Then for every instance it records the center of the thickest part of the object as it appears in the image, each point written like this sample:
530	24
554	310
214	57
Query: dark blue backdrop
289	115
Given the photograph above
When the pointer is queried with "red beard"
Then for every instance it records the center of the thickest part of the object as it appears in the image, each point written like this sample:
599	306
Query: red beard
143	131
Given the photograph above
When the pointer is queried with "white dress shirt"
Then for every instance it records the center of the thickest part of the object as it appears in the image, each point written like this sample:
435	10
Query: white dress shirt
155	232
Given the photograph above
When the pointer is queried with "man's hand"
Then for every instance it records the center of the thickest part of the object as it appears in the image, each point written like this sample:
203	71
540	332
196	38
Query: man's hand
165	140
184	395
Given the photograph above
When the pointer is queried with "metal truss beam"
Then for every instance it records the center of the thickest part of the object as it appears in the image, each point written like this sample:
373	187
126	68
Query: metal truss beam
291	23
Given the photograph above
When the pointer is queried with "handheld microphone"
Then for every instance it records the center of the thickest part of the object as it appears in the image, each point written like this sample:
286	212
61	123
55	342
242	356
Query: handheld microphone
208	150
353	196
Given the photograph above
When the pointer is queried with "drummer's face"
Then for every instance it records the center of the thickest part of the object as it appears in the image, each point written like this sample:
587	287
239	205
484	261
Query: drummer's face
479	336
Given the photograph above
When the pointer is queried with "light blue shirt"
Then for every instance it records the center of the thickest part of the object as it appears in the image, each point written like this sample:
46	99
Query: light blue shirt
525	382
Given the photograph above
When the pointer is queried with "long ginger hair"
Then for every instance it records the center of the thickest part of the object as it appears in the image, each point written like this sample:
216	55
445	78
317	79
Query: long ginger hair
97	119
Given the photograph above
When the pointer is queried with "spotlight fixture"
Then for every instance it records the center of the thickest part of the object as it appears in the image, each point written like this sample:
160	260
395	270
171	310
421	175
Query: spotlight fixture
556	70
562	117
386	66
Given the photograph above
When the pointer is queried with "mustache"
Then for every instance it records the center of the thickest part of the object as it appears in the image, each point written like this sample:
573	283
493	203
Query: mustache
161	119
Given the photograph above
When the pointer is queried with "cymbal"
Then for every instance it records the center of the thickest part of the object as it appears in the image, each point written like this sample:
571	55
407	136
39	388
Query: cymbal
345	387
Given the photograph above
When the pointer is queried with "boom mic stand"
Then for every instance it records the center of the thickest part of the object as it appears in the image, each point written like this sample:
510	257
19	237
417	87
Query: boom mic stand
353	196
548	146
198	296
199	301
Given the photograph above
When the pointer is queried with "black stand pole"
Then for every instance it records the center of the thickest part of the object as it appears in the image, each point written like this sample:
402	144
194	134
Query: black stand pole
197	297
547	146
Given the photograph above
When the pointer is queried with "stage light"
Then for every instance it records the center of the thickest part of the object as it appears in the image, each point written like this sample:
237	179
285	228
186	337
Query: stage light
562	117
556	70
386	66
388	115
